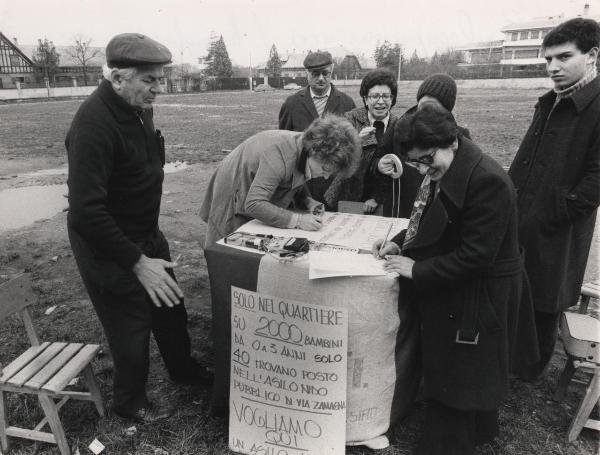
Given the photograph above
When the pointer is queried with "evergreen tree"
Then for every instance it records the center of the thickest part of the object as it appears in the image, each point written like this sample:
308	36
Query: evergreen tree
274	63
46	59
217	61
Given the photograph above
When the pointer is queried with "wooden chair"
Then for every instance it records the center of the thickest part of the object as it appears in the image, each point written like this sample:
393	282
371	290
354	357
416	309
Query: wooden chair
357	208
580	335
45	370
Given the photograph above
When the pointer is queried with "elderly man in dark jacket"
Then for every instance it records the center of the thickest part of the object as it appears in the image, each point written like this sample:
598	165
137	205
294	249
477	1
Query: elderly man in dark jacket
319	98
557	174
116	160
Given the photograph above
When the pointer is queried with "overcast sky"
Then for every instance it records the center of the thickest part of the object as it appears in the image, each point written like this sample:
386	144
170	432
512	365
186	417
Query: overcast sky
250	27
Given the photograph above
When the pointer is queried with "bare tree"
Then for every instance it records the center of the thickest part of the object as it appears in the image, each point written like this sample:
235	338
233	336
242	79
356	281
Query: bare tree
83	52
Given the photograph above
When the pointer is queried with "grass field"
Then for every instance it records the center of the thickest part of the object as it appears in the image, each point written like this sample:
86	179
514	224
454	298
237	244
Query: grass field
197	127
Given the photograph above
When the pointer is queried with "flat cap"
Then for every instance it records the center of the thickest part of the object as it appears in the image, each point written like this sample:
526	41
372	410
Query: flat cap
134	49
317	59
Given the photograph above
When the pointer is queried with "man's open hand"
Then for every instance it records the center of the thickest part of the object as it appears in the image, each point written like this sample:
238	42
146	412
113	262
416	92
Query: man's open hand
159	285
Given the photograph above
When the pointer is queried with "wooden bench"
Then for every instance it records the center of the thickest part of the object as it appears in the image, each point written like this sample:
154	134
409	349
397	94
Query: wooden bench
45	370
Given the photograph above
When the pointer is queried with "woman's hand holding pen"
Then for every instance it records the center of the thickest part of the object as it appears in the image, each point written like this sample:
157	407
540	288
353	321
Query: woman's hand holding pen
310	222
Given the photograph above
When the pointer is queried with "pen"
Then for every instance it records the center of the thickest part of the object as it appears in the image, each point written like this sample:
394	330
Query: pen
387	234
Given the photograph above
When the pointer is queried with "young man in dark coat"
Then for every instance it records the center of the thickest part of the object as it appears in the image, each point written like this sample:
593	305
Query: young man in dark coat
319	98
557	175
459	264
116	160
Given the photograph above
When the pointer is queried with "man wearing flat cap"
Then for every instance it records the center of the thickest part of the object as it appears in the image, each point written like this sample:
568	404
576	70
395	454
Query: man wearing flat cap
319	98
116	160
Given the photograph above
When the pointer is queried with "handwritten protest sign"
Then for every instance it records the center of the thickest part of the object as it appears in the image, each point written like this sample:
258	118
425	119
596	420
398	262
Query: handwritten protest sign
288	376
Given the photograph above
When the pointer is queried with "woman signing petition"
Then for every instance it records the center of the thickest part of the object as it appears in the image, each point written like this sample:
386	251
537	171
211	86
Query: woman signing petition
264	177
460	264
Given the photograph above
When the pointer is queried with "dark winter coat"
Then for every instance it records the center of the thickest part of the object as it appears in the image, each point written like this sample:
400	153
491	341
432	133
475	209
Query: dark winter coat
468	277
116	160
557	175
298	110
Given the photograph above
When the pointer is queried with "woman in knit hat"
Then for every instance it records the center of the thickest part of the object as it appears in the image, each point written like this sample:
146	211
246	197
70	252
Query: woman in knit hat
439	89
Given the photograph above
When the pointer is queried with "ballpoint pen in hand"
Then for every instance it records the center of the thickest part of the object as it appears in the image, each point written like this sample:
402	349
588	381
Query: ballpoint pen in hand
387	234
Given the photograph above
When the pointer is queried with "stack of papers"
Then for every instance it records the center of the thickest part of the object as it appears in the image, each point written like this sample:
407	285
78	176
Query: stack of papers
338	242
326	265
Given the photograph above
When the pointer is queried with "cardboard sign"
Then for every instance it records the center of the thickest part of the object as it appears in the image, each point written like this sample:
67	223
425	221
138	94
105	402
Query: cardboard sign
288	376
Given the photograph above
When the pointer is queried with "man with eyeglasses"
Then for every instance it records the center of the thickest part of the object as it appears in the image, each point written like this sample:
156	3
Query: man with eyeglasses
557	175
319	98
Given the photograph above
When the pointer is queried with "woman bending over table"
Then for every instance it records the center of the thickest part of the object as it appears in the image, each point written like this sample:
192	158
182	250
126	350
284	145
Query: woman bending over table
264	177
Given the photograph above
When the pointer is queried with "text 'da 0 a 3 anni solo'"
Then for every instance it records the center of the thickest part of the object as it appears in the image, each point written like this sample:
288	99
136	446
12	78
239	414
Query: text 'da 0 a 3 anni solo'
288	376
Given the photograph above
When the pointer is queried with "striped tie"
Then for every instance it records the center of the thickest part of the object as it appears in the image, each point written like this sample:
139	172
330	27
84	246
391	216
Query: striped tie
320	102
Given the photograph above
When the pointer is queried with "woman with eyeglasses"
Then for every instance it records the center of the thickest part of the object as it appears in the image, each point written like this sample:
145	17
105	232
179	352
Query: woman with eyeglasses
264	177
378	91
439	89
460	267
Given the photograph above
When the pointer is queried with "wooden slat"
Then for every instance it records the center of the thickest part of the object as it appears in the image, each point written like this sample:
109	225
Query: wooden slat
44	421
36	364
593	424
54	366
15	295
30	434
72	368
63	393
29	328
592	289
12	368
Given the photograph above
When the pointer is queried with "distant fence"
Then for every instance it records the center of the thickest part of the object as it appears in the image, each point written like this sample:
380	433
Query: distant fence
45	92
244	83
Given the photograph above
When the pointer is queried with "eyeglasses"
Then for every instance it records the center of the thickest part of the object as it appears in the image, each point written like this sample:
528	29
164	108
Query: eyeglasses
317	73
384	96
427	160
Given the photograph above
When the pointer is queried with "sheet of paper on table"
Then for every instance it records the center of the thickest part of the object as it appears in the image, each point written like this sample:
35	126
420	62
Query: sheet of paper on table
327	265
345	229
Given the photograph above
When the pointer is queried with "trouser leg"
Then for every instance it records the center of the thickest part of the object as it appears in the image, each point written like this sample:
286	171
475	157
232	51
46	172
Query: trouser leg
126	323
447	431
169	324
486	426
169	327
124	310
547	333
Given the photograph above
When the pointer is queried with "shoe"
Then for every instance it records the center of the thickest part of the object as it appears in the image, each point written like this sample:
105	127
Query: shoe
147	414
199	376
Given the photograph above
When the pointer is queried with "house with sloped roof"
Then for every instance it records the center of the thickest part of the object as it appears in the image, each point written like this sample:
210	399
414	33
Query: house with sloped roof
71	64
15	65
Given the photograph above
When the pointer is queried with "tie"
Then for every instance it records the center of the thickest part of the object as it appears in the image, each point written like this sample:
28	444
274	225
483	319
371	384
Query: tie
424	197
320	102
379	127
